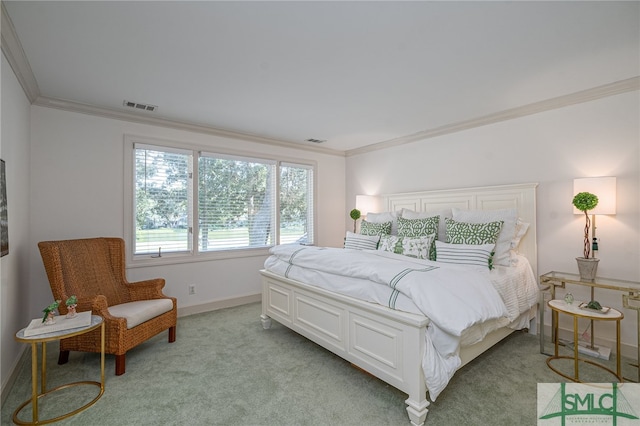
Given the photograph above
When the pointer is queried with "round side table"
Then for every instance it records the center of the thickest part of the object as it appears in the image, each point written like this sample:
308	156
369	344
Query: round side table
96	321
573	310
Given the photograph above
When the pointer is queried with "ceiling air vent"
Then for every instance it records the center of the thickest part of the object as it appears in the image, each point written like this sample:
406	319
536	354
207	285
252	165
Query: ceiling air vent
315	140
143	107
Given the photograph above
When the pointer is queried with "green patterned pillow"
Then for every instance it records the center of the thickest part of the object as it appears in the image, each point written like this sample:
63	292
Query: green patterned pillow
472	233
390	243
368	228
413	247
419	228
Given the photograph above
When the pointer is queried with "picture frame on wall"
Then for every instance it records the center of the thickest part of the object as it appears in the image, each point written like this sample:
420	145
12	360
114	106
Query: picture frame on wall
4	221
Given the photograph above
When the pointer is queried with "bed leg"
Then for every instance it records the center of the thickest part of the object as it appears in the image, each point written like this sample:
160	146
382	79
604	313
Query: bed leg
266	321
417	411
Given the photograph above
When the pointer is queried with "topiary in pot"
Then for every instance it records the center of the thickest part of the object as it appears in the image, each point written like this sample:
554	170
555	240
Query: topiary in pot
585	201
355	215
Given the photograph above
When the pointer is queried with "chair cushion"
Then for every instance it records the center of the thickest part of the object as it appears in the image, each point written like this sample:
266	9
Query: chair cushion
138	312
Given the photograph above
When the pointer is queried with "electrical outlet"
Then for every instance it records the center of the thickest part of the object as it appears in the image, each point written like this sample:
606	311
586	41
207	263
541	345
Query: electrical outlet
192	289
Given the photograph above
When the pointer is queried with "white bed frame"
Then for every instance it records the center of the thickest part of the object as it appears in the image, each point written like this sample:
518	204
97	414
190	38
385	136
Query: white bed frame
389	344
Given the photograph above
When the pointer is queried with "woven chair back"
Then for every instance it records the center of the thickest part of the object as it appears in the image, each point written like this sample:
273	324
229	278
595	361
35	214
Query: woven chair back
86	268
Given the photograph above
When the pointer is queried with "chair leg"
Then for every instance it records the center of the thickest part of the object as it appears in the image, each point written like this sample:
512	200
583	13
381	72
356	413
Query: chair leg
63	357
172	334
120	364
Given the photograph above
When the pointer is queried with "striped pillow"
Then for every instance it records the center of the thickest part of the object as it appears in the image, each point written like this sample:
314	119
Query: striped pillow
465	254
361	242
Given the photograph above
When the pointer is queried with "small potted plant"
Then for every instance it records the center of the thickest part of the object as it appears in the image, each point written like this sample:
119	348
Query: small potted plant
587	265
72	303
355	215
50	313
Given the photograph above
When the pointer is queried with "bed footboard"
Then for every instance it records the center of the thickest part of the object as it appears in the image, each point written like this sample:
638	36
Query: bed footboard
386	343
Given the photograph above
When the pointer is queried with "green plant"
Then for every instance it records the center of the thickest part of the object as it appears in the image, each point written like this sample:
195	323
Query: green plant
355	215
49	309
585	201
594	304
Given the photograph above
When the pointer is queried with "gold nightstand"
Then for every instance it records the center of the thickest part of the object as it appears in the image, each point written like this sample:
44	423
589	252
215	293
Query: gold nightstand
96	322
560	306
630	298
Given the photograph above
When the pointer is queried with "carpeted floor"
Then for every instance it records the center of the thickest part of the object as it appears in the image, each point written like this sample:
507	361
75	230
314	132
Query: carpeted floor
224	369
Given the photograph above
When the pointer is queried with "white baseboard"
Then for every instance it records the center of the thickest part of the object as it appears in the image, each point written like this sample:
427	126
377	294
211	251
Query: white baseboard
627	350
219	304
15	370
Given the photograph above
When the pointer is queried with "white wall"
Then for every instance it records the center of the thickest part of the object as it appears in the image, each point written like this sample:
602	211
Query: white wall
14	267
598	138
65	180
77	191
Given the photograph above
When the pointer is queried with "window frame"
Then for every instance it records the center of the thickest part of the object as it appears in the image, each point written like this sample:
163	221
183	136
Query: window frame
195	255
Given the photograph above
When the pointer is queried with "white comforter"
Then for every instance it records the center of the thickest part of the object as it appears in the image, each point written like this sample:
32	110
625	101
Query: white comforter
454	298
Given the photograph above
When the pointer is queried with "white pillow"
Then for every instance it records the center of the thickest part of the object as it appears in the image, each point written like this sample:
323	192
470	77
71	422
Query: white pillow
509	217
465	254
361	242
445	213
521	230
383	218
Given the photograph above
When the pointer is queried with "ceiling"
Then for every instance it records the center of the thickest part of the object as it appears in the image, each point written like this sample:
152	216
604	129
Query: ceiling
351	73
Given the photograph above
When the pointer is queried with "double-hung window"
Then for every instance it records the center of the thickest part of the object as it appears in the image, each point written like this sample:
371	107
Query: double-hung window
162	200
189	202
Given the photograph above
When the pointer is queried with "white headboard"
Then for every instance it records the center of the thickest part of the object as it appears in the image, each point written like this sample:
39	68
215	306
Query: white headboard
519	196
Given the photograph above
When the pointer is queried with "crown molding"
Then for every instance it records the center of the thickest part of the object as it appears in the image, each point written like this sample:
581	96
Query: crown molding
12	49
598	92
174	124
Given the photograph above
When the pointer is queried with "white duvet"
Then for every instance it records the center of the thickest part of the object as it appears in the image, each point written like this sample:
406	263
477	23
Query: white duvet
454	298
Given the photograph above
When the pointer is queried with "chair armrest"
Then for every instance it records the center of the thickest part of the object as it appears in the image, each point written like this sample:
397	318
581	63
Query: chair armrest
148	289
99	306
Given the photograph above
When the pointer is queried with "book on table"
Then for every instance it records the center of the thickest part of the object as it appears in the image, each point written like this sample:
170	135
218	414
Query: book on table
62	323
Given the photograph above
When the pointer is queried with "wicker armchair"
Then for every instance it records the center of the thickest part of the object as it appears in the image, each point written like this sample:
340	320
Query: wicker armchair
94	271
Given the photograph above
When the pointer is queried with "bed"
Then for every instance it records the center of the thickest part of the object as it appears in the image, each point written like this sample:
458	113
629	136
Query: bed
392	341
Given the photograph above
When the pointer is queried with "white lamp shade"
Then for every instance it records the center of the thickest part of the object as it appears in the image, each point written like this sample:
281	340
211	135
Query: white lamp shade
602	187
368	204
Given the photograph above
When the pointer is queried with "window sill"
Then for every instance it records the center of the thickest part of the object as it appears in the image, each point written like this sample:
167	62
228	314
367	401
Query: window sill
173	259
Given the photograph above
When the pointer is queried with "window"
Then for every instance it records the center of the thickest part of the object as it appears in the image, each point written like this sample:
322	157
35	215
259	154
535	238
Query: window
186	202
296	204
235	202
162	200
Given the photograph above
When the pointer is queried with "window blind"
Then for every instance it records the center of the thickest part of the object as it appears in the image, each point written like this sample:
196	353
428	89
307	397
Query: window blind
162	200
236	200
296	204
